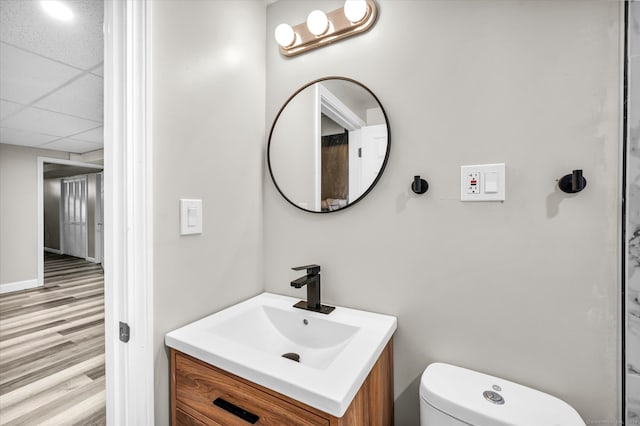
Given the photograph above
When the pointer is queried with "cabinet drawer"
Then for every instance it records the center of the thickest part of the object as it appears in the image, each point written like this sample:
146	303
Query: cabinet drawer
198	386
183	419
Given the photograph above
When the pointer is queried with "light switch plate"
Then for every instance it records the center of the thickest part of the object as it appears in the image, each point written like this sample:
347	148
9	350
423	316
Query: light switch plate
190	216
490	182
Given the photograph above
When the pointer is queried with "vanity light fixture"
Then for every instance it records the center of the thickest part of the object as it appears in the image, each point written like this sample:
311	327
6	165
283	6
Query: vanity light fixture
321	28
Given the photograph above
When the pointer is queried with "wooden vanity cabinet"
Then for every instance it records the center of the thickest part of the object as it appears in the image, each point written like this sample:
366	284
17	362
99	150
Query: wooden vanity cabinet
205	395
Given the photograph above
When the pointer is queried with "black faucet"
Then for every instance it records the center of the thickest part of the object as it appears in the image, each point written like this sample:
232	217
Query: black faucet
312	281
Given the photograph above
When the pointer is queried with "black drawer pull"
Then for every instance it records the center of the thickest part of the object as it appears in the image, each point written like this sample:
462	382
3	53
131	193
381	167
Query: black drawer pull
234	409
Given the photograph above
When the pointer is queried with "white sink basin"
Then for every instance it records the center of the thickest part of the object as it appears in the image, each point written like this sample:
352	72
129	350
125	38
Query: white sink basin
336	351
277	331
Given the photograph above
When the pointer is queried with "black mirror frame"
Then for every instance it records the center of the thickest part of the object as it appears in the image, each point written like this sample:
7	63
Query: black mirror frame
386	156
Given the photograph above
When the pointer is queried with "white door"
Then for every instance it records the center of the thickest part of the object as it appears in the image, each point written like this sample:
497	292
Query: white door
374	150
74	216
99	240
355	165
367	150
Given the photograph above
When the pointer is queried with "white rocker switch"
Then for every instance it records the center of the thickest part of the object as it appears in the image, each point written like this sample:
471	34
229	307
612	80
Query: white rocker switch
190	217
491	182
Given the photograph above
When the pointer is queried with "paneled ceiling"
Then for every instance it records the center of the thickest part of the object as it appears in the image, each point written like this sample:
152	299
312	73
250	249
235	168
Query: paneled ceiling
51	76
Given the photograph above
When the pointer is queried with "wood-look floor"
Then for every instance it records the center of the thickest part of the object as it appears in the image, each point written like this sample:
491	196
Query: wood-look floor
52	348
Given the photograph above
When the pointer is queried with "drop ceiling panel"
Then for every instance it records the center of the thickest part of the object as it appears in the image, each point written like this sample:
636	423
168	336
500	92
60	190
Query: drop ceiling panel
72	145
7	108
81	98
25	138
51	84
95	135
78	42
48	122
26	76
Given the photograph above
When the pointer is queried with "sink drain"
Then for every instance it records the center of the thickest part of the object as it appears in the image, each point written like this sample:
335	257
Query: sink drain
292	356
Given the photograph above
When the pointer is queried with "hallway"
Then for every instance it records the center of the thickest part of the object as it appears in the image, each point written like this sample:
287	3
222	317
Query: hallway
52	367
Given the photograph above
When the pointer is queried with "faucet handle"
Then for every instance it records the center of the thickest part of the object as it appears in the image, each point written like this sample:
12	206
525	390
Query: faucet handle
311	269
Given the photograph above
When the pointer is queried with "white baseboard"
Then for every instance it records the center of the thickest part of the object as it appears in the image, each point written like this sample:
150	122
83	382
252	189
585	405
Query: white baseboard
18	285
92	259
50	250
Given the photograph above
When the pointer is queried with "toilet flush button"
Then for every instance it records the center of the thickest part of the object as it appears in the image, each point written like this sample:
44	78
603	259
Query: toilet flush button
493	397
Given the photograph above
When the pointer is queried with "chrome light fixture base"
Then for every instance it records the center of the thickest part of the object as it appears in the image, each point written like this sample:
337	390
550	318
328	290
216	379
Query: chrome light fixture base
339	27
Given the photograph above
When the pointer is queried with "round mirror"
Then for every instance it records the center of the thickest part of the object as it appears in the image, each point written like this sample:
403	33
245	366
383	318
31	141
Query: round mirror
328	145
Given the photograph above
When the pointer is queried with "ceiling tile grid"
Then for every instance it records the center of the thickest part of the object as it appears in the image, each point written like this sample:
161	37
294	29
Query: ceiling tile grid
70	145
48	122
7	108
77	42
25	77
25	138
93	135
81	98
51	76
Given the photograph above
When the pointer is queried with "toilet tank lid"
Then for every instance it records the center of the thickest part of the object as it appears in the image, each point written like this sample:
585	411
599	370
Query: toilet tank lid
458	392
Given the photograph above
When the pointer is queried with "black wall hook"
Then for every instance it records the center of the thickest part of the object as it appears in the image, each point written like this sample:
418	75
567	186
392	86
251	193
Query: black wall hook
419	185
572	183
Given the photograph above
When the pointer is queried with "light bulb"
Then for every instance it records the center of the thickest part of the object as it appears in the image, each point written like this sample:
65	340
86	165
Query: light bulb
57	10
355	10
285	36
317	22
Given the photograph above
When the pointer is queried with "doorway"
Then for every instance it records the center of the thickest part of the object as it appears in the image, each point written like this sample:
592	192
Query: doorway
77	203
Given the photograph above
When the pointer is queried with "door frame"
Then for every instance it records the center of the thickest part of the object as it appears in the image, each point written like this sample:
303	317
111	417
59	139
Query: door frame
40	204
128	212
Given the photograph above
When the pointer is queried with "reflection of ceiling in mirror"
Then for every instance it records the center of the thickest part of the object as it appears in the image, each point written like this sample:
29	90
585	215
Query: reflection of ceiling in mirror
354	96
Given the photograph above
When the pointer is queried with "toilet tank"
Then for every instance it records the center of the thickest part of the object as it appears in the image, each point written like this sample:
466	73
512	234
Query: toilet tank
451	396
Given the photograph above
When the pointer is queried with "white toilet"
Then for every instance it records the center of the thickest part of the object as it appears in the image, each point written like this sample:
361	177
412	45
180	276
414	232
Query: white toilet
455	396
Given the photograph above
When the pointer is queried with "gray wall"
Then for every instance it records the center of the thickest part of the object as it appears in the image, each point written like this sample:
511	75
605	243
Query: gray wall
18	211
526	289
51	194
208	135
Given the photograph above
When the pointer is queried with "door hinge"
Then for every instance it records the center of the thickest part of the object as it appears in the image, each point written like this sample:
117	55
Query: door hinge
124	332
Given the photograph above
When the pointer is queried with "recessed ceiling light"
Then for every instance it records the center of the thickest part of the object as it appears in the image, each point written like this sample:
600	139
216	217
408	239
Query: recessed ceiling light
57	9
